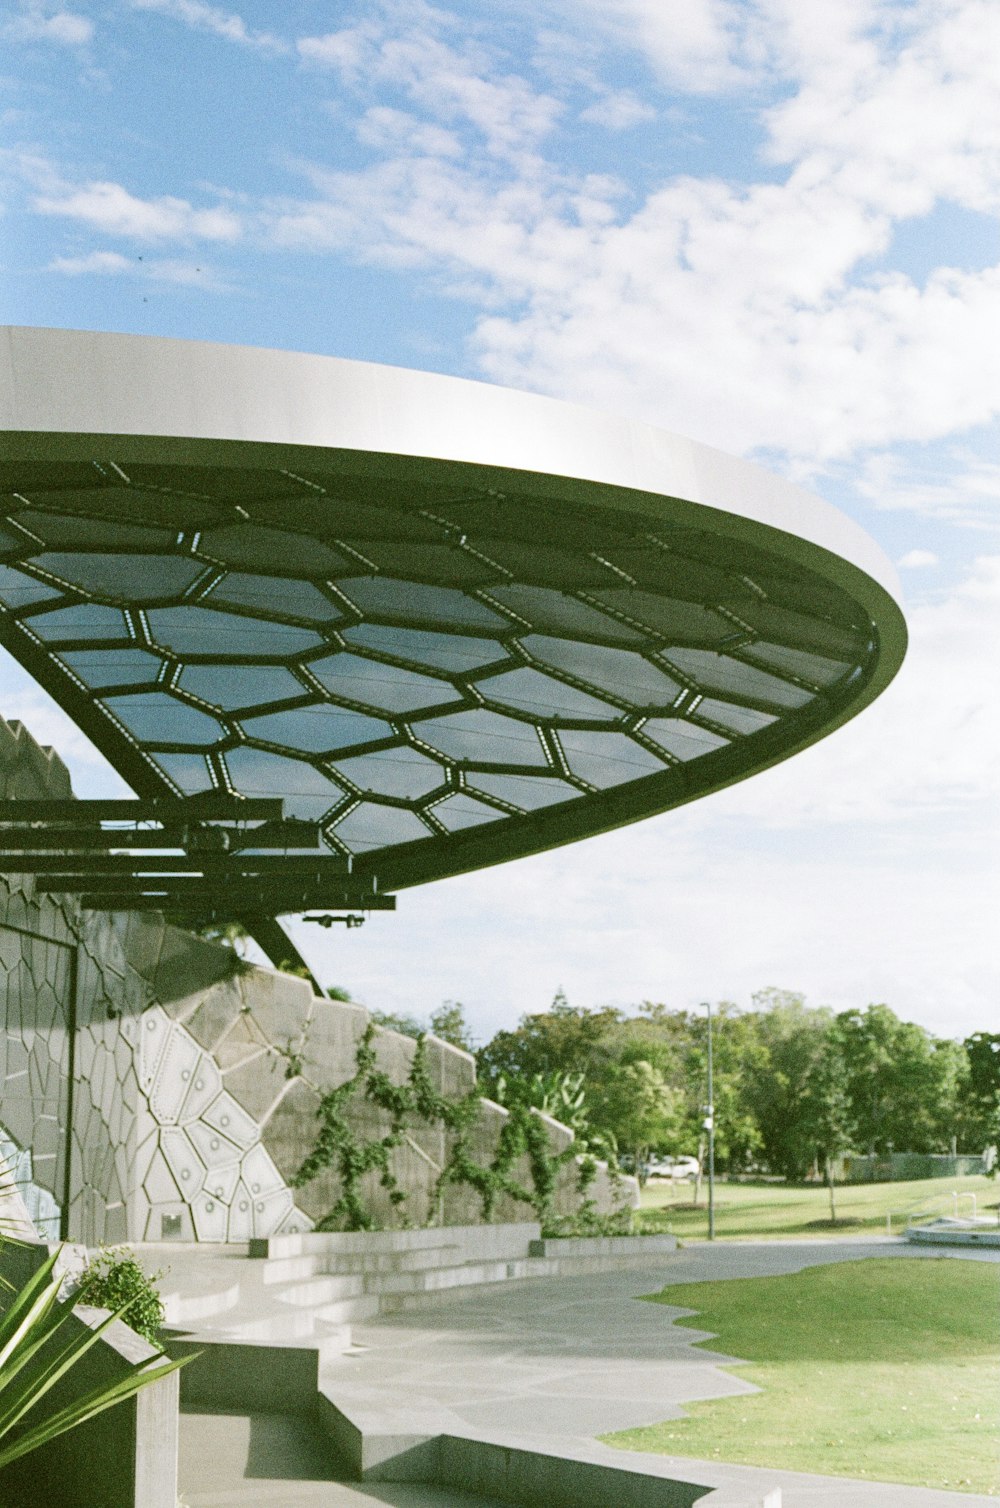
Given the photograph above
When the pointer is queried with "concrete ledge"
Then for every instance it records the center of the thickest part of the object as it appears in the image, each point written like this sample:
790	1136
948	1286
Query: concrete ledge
942	1235
473	1240
236	1374
398	1446
535	1479
603	1246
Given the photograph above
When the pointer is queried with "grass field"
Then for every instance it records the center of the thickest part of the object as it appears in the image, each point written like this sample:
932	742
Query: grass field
885	1369
776	1209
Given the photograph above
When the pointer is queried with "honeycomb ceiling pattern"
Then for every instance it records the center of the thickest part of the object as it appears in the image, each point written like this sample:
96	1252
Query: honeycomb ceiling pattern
405	661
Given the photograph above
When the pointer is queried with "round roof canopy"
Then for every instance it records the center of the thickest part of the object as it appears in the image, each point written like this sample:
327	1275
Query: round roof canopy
455	624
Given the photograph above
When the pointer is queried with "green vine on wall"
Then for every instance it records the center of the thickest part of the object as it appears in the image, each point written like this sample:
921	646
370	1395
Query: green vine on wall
339	1147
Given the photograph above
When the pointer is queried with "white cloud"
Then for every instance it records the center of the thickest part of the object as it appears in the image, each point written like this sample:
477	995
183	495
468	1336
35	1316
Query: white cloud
155	269
896	125
748	316
695	45
918	560
618	111
212	19
111	208
387	129
455	85
962	487
103	263
36	23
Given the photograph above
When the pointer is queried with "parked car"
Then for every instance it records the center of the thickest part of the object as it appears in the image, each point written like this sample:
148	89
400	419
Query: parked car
673	1167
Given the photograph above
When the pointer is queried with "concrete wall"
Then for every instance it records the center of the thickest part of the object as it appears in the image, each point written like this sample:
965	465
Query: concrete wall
165	1090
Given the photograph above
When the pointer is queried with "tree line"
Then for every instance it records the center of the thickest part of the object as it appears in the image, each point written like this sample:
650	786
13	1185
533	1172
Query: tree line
795	1086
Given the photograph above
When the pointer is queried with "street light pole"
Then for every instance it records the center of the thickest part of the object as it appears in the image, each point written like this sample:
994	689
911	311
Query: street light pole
710	1128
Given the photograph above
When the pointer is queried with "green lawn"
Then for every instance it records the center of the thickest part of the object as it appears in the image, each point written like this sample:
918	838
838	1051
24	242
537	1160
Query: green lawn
776	1209
885	1368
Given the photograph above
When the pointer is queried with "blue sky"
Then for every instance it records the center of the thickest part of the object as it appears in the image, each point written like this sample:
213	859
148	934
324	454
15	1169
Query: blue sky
769	225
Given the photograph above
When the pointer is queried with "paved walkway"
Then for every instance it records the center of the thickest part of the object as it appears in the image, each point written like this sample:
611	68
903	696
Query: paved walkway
549	1364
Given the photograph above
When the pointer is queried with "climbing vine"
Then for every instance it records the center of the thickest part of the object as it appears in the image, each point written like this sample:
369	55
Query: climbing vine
341	1149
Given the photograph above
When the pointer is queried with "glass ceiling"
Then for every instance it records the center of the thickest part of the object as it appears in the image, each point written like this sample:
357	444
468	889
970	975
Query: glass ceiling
409	663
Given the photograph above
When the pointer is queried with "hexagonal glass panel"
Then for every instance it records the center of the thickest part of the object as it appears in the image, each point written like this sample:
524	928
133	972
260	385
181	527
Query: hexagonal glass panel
251	546
668	616
63	530
109	505
189	772
455	652
809	667
308	793
112	667
317	729
387	687
384	596
526	791
438	562
815	634
461	811
84	620
155	717
529	690
275	594
402	772
607	759
728	715
549	610
483	737
682	739
534	562
717	672
200	631
624	674
371	826
10	542
233	686
126	578
18	590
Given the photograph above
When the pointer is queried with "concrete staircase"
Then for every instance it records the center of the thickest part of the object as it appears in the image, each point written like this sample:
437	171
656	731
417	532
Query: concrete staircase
308	1289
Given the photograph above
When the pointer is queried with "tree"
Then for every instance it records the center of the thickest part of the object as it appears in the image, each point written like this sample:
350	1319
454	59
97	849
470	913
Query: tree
903	1085
565	1039
640	1109
448	1022
789	1038
827	1109
563	1096
980	1103
398	1021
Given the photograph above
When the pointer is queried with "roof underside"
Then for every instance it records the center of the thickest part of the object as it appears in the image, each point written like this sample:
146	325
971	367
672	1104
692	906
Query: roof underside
443	674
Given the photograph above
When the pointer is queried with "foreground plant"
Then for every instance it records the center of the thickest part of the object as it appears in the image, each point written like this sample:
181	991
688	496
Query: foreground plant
37	1350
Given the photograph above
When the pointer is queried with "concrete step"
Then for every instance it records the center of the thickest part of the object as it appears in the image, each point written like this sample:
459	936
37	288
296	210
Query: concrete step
318	1290
363	1308
181	1307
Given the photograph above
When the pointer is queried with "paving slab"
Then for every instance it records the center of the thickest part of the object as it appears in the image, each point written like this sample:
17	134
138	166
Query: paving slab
548	1364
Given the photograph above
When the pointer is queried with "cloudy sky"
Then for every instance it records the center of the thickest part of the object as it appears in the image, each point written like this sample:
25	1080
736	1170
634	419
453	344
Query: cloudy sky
767	224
